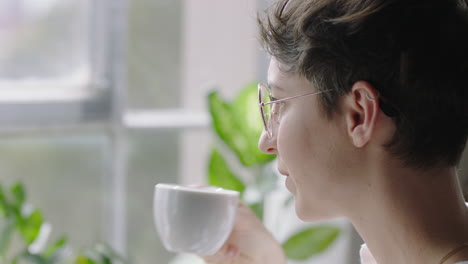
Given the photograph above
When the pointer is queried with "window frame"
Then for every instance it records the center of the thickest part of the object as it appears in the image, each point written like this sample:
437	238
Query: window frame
83	103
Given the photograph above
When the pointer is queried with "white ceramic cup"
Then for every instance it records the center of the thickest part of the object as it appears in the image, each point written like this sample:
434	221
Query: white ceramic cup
193	219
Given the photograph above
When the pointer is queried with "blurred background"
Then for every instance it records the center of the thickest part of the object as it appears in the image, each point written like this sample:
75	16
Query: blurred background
100	100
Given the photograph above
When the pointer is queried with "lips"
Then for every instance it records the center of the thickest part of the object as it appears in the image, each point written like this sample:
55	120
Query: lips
282	172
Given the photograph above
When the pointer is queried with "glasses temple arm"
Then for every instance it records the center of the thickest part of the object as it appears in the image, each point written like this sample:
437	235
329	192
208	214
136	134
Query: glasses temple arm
293	97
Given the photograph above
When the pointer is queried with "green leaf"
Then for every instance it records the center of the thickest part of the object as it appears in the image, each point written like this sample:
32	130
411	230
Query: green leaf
246	107
239	125
4	204
220	174
104	259
52	250
8	207
30	226
310	242
225	126
84	260
19	194
6	234
93	256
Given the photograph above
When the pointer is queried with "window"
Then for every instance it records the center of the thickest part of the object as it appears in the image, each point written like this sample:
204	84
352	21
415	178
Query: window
100	100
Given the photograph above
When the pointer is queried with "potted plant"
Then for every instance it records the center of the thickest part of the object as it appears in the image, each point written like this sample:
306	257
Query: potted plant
25	224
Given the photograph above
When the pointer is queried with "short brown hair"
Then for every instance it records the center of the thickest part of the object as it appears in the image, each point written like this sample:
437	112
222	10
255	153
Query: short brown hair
414	52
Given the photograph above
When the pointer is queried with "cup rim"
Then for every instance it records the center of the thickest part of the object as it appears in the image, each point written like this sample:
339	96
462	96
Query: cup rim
207	189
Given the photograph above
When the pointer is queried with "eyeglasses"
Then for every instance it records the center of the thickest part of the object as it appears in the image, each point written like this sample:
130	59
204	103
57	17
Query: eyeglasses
270	106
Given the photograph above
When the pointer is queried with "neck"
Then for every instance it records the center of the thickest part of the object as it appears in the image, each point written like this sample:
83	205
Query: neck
408	216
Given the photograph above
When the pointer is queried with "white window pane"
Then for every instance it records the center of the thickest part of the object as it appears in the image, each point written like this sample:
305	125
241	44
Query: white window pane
63	176
154	158
154	53
44	42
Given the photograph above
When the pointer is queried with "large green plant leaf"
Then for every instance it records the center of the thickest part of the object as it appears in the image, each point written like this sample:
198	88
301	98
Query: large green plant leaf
220	174
227	128
239	125
246	112
310	242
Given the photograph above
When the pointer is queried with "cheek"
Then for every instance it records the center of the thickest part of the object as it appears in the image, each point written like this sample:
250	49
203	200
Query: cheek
291	139
315	154
301	134
305	149
306	145
296	149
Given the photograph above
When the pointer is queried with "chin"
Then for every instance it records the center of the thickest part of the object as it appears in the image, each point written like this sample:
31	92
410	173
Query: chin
290	185
312	213
314	217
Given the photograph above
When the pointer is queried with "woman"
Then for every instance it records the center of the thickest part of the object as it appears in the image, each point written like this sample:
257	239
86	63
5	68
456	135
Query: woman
366	109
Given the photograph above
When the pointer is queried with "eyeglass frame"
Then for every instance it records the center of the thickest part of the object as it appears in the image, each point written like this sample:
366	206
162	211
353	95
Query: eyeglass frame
262	104
387	108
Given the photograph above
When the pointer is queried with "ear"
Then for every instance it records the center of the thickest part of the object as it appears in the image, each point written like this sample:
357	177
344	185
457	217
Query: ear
361	112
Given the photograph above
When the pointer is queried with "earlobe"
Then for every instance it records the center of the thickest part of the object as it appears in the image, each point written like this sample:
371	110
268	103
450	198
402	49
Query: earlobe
361	113
356	130
359	138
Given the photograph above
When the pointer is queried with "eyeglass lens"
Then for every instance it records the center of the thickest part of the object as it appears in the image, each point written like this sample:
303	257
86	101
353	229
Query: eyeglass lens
266	98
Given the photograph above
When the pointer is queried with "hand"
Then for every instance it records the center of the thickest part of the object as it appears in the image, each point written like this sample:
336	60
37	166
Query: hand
249	243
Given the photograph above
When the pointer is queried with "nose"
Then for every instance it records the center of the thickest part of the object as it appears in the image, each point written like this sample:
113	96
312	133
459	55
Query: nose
267	143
